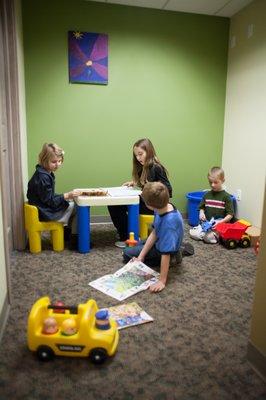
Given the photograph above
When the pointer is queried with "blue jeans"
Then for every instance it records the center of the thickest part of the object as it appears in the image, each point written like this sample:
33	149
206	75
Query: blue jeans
153	257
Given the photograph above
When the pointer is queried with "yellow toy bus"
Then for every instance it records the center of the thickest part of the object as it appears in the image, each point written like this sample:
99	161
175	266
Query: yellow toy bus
73	331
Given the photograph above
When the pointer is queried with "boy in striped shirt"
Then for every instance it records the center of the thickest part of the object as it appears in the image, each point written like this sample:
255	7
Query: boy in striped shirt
216	203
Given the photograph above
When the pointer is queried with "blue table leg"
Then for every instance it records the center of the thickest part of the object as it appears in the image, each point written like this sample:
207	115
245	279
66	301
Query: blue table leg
84	229
133	220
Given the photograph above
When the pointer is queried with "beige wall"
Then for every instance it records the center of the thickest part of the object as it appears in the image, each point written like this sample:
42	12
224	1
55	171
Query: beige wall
244	147
244	150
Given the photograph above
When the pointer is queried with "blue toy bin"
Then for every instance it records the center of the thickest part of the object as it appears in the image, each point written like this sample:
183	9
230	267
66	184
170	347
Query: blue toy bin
193	202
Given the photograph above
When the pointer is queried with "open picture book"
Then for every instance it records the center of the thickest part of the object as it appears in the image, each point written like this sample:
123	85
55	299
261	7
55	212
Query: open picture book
134	277
129	314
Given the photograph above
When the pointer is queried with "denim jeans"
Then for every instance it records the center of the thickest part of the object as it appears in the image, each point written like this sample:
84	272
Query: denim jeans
153	257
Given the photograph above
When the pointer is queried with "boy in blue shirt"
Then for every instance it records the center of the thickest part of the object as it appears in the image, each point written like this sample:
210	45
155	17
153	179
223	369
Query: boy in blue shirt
165	239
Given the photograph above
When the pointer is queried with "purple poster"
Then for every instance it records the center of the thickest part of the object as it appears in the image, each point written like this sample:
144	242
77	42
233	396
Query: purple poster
88	57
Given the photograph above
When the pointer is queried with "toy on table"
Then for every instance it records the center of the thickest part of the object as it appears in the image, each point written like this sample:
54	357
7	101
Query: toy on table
131	242
95	192
231	235
89	340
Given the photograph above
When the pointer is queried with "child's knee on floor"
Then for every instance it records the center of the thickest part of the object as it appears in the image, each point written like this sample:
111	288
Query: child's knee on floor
130	252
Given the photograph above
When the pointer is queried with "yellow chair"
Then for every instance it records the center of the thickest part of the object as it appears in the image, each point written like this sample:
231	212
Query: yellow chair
145	221
35	228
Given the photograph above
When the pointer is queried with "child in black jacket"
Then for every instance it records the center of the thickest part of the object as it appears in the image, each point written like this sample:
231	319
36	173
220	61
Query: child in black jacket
41	188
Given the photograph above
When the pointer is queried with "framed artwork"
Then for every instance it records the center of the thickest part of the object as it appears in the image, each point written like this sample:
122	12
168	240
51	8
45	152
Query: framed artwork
88	57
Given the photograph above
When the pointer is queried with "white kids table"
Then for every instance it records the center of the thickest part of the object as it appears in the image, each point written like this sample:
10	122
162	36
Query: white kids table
116	196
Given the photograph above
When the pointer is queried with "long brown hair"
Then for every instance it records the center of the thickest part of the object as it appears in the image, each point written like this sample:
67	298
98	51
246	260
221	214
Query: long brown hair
140	172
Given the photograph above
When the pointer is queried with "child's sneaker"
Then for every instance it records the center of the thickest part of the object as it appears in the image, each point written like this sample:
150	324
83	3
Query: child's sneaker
176	259
210	237
187	249
196	233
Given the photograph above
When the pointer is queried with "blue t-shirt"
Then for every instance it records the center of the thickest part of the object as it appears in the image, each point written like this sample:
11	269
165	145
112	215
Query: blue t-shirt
169	230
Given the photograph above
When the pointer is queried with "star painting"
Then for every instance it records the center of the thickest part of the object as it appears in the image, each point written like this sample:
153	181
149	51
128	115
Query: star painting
88	57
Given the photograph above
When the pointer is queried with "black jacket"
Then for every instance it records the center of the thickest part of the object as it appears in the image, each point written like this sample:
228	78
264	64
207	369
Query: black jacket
41	193
155	174
158	174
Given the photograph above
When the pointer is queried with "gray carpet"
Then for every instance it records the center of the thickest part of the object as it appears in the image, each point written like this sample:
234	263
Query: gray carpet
195	348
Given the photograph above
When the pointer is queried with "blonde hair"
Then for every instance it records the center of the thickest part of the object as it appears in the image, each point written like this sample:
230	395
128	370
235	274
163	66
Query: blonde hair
50	150
140	172
155	194
217	172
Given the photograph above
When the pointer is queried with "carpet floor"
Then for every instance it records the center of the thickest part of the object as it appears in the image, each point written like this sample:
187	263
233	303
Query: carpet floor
195	348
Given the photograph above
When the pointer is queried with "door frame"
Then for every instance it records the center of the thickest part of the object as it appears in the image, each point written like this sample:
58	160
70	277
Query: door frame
10	138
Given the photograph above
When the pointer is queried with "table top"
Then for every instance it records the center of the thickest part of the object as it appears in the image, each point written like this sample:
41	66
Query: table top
121	195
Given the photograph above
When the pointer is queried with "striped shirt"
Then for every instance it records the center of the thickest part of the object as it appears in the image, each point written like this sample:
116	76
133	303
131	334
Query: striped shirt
216	204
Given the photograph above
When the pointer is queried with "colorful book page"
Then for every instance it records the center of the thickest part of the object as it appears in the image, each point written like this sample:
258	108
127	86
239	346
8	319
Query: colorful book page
129	314
134	277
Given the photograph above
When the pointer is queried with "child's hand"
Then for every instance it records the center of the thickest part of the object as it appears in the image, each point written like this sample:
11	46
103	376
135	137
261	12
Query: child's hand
128	184
157	287
72	194
76	192
137	259
202	216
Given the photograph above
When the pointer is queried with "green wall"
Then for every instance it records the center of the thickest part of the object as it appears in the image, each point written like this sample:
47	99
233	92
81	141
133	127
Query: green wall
167	77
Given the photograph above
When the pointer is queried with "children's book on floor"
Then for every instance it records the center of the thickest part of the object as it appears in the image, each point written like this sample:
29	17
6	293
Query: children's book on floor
129	314
134	277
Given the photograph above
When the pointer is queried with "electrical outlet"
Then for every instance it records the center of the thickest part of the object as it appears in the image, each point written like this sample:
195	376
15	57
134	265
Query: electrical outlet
233	42
238	194
250	30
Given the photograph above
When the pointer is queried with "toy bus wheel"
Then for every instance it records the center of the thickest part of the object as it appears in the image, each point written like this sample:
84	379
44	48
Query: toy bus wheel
45	353
98	355
245	242
230	244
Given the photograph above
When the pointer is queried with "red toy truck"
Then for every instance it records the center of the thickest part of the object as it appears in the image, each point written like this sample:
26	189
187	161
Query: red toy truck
231	235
